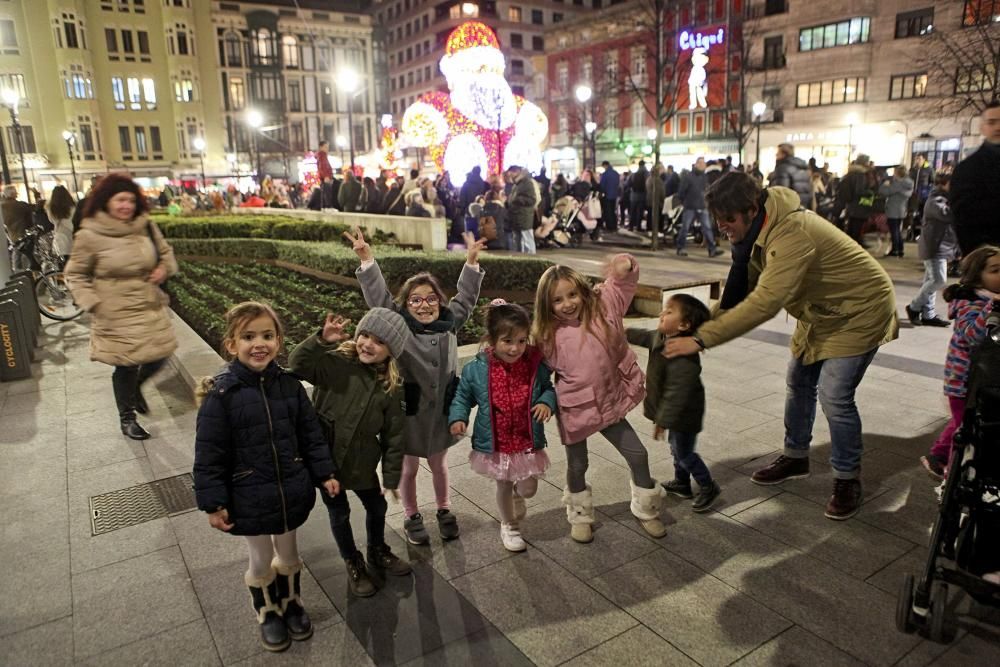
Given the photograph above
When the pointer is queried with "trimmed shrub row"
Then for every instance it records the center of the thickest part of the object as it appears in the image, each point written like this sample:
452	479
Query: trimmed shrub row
258	227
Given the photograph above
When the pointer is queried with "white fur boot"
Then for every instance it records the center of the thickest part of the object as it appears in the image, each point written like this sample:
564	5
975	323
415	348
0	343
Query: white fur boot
580	513
646	505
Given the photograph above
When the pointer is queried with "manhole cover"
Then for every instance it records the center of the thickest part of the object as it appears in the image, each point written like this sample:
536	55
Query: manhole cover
141	503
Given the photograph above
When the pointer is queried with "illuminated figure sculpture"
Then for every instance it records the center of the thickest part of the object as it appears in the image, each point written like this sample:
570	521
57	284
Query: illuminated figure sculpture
480	121
698	80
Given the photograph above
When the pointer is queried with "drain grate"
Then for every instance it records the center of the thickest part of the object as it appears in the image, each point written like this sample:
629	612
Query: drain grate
141	503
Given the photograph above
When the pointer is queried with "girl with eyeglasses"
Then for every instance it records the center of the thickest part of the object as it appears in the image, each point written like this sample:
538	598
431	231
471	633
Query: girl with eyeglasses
429	364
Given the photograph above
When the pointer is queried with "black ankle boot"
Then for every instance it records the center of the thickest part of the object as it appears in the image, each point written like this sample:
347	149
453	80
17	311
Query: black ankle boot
131	429
140	403
263	597
288	582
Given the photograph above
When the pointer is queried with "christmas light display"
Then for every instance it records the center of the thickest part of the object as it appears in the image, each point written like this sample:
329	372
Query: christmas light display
480	121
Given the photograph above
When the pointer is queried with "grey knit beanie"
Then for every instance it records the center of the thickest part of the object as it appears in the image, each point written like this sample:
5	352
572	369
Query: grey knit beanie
386	325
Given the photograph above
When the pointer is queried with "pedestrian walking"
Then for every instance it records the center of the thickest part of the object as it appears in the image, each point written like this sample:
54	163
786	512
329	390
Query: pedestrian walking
610	191
692	195
521	209
937	246
259	455
897	192
975	196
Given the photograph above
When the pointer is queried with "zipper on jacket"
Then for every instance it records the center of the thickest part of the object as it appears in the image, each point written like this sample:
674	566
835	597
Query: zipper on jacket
274	453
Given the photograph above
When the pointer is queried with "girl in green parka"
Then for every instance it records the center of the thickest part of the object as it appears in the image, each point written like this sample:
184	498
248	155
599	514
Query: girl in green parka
514	392
358	398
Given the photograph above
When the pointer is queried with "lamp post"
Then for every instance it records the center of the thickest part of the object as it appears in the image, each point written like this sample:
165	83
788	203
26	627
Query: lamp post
347	81
758	112
199	145
255	120
11	99
70	139
852	119
341	142
3	160
583	95
591	128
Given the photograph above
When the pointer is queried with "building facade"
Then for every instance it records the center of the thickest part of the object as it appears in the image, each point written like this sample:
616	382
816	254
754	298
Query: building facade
139	84
857	77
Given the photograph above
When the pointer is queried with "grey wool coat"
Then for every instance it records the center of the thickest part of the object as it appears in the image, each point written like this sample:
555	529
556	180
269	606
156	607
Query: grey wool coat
429	361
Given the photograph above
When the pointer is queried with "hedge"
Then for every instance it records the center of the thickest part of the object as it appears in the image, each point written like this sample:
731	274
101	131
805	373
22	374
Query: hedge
502	273
258	227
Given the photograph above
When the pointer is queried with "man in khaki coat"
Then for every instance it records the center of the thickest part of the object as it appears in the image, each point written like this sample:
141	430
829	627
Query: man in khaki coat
787	257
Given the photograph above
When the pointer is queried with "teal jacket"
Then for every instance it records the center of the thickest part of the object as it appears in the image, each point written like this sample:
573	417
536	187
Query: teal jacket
473	389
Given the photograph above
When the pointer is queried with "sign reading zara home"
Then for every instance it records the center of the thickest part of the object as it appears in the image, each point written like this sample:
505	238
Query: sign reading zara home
700	40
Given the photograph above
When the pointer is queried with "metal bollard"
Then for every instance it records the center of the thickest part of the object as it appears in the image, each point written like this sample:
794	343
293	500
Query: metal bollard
15	362
24	295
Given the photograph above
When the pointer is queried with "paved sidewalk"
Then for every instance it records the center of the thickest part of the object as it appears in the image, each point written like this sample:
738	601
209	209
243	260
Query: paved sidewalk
765	579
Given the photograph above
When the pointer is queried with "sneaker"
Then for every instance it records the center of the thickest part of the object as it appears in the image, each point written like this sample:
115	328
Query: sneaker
846	499
382	558
682	253
358	580
717	252
914	316
520	508
447	524
706	496
934	322
415	531
511	537
934	465
783	468
676	487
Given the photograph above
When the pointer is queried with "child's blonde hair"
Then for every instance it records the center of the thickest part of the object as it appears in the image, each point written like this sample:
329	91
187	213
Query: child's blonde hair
237	318
387	371
545	323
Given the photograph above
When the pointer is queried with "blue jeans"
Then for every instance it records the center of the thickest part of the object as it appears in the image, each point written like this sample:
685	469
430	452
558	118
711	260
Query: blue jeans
687	463
687	215
527	241
935	277
836	380
896	232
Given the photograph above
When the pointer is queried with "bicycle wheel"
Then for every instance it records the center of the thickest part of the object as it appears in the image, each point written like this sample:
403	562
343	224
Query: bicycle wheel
54	298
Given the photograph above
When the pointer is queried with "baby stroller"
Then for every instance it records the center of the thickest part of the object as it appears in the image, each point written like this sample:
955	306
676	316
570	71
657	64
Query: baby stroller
965	542
576	219
670	224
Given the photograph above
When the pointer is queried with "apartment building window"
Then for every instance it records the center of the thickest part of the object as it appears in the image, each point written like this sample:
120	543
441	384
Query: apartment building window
8	38
143	37
516	40
140	6
15	82
537	17
907	86
85	137
638	58
611	68
118	91
981	12
427	72
587	70
537	43
517	66
557	17
290	52
772	98
185	46
425	22
141	147
155	142
111	40
233	50
772	7
563	124
842	33
125	141
28	136
975	79
237	93
184	90
78	86
263	47
834	91
915	23
294	96
774	52
638	115
128	42
74	35
514	14
562	76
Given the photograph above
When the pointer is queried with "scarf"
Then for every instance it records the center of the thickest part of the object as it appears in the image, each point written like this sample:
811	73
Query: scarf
738	281
443	324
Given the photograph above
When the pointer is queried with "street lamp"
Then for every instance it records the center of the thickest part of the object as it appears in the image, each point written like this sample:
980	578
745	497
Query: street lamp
255	120
341	142
347	81
583	95
852	119
70	139
199	145
758	112
11	99
591	128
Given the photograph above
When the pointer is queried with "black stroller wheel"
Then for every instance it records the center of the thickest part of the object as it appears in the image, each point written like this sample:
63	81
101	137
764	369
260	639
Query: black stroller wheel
576	240
699	237
938	613
904	606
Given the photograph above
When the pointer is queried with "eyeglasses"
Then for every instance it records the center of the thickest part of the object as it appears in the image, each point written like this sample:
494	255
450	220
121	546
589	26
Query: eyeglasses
414	301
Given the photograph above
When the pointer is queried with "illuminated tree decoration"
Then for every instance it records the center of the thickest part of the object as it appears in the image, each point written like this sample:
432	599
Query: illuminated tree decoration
480	121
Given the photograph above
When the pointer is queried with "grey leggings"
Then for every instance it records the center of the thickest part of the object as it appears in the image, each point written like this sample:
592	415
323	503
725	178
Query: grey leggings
624	439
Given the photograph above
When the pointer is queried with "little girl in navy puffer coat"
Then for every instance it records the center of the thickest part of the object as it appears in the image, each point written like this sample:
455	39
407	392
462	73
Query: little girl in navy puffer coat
259	454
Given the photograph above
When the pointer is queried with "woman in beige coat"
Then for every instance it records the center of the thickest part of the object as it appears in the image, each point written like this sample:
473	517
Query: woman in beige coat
119	260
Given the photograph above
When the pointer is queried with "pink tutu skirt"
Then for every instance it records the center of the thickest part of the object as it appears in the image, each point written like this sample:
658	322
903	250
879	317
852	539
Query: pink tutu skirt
510	467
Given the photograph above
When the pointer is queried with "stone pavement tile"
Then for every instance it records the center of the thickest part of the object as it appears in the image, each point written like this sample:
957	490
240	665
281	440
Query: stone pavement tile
130	600
26	472
548	613
46	383
485	648
908	512
708	620
851	546
39	592
736	417
48	645
482	490
796	646
408	617
981	646
638	647
890	577
478	545
730	449
97	401
332	645
770	404
99	450
613	545
50	402
188	644
170	450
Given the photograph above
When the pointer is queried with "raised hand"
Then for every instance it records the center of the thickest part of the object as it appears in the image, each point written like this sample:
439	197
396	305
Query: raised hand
333	328
474	246
541	412
359	245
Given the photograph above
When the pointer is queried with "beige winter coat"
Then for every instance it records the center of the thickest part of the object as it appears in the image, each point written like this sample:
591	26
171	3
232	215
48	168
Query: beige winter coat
108	274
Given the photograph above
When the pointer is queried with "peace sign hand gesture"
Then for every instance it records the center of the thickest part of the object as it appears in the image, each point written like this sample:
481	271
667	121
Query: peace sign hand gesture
474	248
359	245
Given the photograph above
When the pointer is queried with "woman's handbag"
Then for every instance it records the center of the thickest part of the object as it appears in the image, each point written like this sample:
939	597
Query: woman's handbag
593	208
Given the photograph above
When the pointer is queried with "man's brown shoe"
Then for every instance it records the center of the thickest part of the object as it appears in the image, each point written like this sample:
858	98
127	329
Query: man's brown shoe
846	499
781	469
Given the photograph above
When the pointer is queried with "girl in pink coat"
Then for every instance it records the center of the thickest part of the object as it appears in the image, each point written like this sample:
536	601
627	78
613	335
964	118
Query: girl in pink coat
598	381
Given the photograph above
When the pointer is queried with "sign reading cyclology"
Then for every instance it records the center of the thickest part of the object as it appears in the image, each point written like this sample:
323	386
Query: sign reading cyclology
701	57
14	362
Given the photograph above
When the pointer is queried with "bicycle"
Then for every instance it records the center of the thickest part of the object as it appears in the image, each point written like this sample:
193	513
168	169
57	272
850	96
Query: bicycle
54	298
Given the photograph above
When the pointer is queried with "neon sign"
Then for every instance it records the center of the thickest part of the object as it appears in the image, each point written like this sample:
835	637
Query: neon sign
697	40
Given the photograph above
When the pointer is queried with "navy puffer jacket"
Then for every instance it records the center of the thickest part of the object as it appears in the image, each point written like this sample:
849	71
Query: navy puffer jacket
259	450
